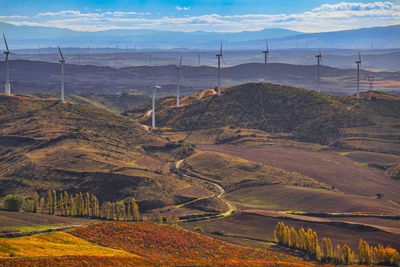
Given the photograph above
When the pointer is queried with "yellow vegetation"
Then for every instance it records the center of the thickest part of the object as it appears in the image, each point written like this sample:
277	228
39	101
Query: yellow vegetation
54	245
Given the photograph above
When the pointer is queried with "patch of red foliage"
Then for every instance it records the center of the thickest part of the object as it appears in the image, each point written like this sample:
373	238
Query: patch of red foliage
76	261
167	244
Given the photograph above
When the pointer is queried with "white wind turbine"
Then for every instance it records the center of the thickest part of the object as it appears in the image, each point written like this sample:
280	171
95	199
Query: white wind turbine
62	61
179	78
153	113
319	62
219	56
266	55
7	53
358	62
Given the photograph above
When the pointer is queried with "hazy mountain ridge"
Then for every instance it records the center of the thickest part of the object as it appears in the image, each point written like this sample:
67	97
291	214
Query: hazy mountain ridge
33	36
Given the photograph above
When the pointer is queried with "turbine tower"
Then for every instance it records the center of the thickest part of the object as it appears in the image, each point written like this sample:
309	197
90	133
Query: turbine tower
319	62
266	55
7	53
358	62
62	61
179	75
371	82
219	56
153	114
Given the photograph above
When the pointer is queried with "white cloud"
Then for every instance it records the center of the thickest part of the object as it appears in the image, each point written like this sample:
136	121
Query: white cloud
341	16
185	8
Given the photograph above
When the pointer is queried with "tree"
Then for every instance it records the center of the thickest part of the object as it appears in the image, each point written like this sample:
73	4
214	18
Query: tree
62	204
35	203
348	256
42	205
54	206
13	202
49	201
135	210
66	200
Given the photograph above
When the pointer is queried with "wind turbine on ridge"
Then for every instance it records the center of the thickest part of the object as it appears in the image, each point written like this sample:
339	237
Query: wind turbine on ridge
319	62
179	76
62	61
266	55
358	62
153	113
7	53
219	56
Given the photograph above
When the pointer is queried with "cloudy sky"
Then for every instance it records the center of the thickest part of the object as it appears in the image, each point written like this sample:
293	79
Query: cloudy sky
204	15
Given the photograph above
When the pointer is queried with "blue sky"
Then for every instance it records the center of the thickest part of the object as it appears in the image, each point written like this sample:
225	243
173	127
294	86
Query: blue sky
207	15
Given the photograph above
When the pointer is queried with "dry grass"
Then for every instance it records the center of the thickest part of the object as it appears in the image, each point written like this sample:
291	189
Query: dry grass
234	172
54	245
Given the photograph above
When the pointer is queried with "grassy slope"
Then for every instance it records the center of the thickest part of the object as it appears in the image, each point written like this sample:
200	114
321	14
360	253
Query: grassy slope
303	114
284	197
117	103
54	245
49	144
310	116
234	172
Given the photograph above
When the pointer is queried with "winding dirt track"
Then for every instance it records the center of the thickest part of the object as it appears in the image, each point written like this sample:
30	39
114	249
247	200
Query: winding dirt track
231	208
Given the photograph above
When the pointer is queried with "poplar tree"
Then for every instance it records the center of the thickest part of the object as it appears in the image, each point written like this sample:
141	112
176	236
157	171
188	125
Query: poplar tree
36	203
135	210
42	205
49	201
61	203
66	199
54	207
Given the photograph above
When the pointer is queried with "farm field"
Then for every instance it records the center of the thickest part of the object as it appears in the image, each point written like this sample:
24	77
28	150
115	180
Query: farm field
246	226
144	243
328	167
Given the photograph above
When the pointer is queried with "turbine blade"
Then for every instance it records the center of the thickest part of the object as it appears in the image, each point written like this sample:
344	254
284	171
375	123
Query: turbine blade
220	51
359	56
62	57
180	63
183	78
5	41
152	75
266	43
223	59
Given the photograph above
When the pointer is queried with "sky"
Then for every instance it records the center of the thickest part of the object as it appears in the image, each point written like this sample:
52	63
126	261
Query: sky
205	15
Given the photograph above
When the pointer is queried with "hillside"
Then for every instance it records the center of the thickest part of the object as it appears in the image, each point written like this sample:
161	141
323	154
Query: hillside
135	244
29	76
47	144
299	114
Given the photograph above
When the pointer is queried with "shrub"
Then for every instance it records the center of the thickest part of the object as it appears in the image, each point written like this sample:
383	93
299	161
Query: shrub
13	202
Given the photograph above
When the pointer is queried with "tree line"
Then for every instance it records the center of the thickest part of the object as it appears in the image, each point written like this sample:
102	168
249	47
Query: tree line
307	241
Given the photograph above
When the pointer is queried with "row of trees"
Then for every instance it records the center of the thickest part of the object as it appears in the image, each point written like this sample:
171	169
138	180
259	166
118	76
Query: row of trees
307	241
85	205
377	255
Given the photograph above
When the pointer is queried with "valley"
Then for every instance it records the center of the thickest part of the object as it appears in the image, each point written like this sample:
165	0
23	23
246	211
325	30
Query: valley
230	173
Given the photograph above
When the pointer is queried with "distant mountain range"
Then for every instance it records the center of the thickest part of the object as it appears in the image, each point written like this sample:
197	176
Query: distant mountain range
35	36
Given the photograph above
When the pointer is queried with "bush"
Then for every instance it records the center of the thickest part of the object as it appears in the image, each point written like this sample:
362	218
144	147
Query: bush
28	205
13	202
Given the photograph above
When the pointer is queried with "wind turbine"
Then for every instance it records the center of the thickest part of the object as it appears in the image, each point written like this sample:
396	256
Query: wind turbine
7	53
266	55
153	113
219	56
179	75
358	62
62	61
319	62
371	82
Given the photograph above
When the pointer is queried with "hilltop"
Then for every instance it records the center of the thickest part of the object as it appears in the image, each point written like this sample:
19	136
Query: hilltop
48	144
266	110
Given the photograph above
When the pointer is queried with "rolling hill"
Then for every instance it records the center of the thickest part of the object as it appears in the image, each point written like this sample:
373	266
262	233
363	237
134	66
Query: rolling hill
47	144
300	114
42	77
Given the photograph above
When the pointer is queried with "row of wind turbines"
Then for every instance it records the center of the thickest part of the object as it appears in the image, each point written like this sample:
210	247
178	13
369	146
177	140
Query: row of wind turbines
179	76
